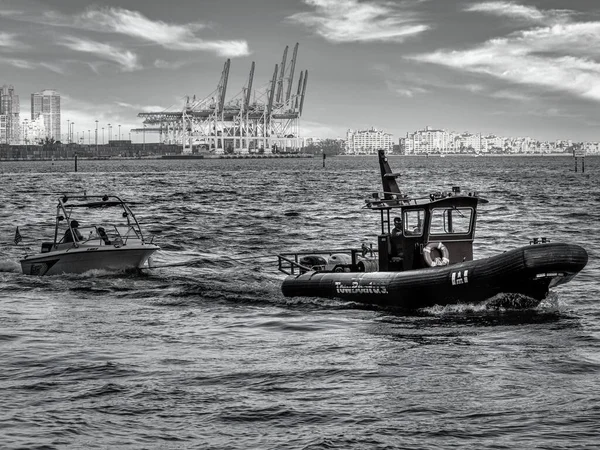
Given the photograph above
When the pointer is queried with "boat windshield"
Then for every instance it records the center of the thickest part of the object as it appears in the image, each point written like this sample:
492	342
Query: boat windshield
97	218
451	221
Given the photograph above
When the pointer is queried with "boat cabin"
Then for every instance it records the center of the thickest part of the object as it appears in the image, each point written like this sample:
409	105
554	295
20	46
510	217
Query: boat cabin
433	231
436	232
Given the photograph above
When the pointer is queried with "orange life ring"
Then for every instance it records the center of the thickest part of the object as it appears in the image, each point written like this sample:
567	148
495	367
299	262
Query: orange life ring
443	261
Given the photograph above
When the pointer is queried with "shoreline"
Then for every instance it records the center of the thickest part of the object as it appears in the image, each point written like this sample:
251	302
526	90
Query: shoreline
282	156
160	158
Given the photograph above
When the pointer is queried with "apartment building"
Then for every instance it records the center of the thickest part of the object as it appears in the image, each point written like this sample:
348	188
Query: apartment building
367	142
10	108
46	103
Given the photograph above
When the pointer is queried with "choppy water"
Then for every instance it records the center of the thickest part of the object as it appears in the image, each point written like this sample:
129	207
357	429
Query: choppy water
212	356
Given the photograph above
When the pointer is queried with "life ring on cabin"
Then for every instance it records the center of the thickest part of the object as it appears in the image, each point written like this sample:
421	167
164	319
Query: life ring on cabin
440	247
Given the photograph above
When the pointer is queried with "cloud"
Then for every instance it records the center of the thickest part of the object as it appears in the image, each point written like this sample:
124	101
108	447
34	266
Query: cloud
54	67
140	108
356	21
20	63
125	58
9	41
510	9
33	65
410	91
558	57
507	9
405	88
10	13
136	25
171	65
171	36
507	94
408	83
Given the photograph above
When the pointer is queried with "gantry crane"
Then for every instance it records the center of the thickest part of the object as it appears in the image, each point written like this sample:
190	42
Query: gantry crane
252	121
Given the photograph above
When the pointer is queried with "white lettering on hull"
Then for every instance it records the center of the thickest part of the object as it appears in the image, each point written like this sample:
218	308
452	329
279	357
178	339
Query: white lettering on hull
357	288
460	277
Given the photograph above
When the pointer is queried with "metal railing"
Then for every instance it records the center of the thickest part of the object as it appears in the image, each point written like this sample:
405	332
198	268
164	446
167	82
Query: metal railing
289	262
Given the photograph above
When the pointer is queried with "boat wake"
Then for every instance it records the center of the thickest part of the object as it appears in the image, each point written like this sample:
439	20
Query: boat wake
501	303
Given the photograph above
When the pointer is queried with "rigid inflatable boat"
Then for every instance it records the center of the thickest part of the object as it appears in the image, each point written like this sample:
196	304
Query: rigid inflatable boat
428	258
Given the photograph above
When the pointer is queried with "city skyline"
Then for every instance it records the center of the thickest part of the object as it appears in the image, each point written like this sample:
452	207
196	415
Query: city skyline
527	68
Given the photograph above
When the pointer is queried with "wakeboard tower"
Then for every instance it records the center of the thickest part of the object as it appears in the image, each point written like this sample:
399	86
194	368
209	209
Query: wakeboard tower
429	260
110	238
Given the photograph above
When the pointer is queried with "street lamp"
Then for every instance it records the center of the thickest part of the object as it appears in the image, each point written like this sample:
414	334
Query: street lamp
102	135
96	138
109	134
89	137
68	131
119	132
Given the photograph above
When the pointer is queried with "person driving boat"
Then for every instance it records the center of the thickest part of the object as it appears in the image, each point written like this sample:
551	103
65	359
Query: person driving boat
75	236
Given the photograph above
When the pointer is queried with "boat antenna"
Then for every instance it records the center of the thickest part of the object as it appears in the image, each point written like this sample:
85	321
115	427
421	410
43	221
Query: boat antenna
388	179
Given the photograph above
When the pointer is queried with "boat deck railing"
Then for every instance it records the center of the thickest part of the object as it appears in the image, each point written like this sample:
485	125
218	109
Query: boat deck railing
289	262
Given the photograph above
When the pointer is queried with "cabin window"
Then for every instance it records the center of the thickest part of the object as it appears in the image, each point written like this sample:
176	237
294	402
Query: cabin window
451	221
413	222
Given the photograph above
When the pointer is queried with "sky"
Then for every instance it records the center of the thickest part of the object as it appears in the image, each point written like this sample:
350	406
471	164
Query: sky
522	68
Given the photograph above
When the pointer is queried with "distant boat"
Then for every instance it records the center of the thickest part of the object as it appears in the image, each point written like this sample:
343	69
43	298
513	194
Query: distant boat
116	244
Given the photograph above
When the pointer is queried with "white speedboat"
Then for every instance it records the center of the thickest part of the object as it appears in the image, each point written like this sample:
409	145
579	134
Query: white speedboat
109	237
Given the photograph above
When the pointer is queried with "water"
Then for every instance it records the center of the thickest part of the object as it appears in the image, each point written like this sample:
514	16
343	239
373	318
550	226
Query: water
211	355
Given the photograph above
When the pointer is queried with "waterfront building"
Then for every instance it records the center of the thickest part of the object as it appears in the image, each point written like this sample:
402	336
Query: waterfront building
33	131
10	108
429	140
367	142
592	148
492	143
46	103
470	142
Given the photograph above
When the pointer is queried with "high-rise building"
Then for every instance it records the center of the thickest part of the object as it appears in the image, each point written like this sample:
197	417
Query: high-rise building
10	108
3	129
47	104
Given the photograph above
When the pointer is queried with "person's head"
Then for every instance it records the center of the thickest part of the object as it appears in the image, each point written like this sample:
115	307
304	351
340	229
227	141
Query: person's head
100	230
74	224
398	222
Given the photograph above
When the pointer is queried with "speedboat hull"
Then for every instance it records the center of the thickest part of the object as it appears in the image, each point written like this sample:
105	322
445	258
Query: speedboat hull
531	271
84	258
